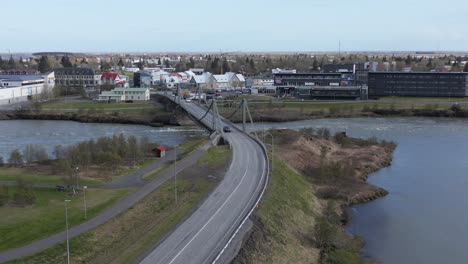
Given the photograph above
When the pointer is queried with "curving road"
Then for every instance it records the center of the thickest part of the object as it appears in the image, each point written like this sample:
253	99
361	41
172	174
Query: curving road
203	236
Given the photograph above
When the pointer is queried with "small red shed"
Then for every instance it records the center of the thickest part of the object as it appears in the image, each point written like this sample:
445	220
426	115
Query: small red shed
160	151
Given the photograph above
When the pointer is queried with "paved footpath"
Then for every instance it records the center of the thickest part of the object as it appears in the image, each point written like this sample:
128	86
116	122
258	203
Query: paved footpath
117	208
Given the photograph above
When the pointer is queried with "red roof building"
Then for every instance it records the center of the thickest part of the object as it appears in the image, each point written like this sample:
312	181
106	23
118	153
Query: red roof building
160	151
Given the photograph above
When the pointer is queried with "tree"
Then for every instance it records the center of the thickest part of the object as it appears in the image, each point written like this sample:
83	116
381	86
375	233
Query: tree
167	63
66	62
191	63
24	194
315	65
2	63
33	153
134	153
465	69
11	63
44	64
226	66
15	157
2	162
120	63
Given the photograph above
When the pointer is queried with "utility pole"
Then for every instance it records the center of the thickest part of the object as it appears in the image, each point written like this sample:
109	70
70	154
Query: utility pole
66	227
243	114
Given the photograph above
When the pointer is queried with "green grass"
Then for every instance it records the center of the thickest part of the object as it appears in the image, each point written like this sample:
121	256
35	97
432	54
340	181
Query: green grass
20	226
215	156
12	174
92	105
286	213
133	232
422	99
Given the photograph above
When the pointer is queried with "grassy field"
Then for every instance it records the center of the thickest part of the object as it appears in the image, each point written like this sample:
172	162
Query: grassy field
12	174
127	236
286	214
92	105
20	226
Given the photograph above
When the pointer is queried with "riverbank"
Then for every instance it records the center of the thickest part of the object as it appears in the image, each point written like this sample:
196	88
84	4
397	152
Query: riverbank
297	111
154	113
315	178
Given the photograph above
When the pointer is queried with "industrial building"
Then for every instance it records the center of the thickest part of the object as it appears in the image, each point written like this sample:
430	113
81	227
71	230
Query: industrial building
17	88
319	86
424	84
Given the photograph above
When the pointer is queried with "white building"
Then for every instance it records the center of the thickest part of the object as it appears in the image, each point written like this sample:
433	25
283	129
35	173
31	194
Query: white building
125	94
18	88
222	82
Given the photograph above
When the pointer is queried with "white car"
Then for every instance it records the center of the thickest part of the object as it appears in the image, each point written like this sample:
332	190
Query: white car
188	100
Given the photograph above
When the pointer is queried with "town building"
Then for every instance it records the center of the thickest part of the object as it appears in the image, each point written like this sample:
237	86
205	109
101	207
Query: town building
222	82
76	77
114	78
121	94
425	84
318	86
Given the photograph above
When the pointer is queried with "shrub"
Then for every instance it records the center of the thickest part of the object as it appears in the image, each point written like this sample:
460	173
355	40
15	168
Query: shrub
4	195
342	139
324	233
342	256
323	132
24	194
15	157
308	131
456	108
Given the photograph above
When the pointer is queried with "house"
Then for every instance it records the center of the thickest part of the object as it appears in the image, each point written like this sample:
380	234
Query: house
222	82
114	78
160	151
235	80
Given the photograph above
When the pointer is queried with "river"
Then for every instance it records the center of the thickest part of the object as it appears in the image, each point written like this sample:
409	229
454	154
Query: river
16	134
424	218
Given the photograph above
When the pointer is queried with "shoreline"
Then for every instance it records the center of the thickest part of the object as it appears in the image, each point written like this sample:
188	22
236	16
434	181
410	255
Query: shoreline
308	202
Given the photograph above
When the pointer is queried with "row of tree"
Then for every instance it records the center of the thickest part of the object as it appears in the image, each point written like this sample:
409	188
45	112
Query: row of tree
108	152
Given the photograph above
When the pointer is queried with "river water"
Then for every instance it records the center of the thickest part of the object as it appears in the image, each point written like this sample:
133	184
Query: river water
424	219
16	134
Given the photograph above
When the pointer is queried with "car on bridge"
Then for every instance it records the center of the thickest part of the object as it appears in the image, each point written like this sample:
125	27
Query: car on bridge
226	129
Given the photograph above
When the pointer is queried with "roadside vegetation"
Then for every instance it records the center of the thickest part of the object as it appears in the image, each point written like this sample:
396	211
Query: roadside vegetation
316	175
31	213
130	234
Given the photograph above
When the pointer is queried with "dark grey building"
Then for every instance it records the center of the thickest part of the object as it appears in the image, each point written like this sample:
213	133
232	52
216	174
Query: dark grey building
318	85
76	77
425	84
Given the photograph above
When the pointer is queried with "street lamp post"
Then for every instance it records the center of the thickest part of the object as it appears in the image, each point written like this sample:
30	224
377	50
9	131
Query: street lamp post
272	148
66	228
175	174
84	199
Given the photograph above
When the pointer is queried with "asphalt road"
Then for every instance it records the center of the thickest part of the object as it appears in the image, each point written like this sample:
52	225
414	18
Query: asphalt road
201	237
117	208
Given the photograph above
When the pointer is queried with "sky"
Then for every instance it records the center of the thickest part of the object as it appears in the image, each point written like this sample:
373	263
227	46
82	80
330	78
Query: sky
231	26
